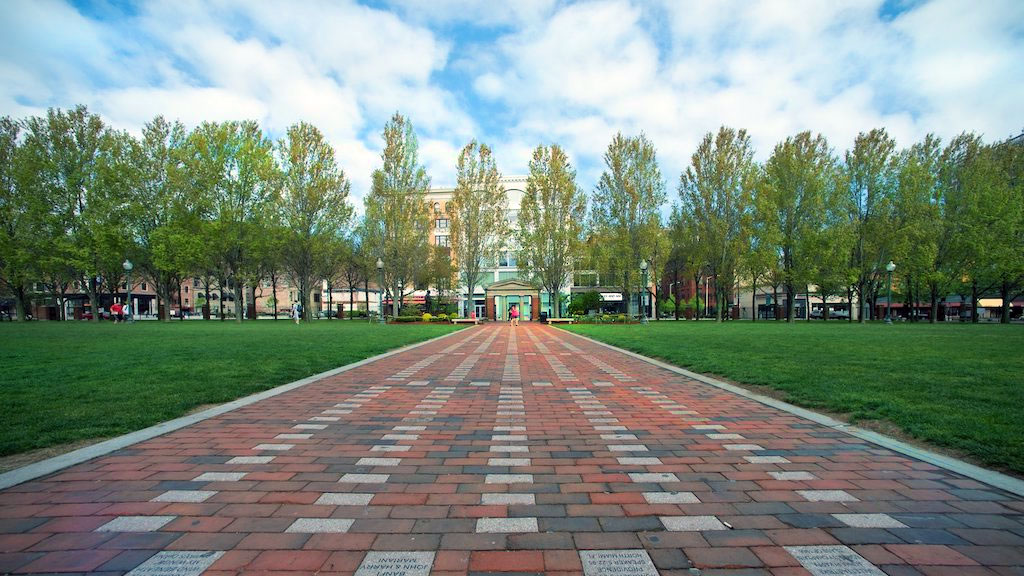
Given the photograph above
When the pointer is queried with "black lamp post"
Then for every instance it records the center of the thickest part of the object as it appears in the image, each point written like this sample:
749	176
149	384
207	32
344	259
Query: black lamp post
643	294
888	299
127	265
380	291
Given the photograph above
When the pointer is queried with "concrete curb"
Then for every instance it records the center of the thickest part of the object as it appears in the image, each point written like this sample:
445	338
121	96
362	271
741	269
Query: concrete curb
57	463
992	478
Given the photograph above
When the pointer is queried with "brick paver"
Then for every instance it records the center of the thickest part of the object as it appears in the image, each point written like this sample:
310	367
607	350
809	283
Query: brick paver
508	450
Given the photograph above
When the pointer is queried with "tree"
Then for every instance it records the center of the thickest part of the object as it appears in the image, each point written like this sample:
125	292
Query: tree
918	219
477	210
715	194
314	206
161	205
397	219
64	151
798	178
356	267
237	164
550	231
21	220
627	204
871	177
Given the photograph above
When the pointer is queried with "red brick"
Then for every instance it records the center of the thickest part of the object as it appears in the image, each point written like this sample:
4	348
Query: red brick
289	560
518	561
924	555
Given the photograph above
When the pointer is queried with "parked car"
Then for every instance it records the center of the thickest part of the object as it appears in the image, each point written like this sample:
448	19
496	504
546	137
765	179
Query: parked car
87	315
327	314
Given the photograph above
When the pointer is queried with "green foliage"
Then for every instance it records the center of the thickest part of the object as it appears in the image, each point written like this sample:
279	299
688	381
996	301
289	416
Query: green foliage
582	303
426	317
550	229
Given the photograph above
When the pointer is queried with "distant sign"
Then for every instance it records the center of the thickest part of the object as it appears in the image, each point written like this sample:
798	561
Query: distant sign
611	296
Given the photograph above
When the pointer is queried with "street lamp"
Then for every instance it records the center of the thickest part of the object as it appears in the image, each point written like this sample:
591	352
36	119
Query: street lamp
380	291
127	265
643	295
888	299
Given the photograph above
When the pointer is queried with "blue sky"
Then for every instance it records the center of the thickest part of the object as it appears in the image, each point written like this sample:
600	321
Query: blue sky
518	74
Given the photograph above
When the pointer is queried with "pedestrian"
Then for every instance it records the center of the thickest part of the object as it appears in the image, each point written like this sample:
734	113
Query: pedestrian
297	312
514	314
115	312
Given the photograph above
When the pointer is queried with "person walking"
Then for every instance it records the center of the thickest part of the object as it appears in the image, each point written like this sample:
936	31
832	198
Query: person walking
297	312
116	311
514	315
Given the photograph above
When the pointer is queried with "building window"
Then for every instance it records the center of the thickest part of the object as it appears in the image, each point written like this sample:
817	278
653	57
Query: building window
507	259
124	285
441	223
186	300
195	282
512	216
443	240
437	207
144	286
186	289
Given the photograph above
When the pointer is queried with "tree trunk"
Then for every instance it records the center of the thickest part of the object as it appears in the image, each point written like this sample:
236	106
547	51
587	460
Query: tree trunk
860	303
933	313
19	303
250	304
239	301
94	300
351	302
849	303
753	299
974	302
775	301
220	302
718	301
366	295
395	294
1004	293
675	277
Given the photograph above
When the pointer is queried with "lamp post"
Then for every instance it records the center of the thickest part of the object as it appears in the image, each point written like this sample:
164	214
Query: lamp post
380	291
127	265
888	299
643	295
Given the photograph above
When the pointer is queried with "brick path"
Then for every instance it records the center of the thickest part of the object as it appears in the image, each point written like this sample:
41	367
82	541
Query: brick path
501	450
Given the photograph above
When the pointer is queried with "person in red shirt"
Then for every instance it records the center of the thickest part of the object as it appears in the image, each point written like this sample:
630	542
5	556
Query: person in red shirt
117	312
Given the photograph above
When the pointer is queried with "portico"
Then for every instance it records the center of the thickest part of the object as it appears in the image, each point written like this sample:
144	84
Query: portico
500	296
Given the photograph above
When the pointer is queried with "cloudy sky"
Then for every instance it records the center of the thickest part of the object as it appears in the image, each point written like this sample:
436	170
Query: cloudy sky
519	73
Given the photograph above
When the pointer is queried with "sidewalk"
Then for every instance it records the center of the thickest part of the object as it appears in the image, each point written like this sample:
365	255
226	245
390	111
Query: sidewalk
523	450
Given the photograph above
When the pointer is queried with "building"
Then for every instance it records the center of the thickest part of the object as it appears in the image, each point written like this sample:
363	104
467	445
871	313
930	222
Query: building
502	284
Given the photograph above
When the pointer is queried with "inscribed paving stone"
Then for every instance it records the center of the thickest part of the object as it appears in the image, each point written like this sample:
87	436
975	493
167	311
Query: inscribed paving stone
827	495
177	563
832	561
293	437
379	462
792	476
310	427
503	498
509	429
220	477
324	419
610	428
409	428
742	447
617	562
184	496
671	498
708	427
351	478
479	383
691	523
602	420
390	448
506	525
869	520
277	447
396	564
344	499
724	436
400	437
135	524
653	477
320	525
508	437
336	412
643	461
627	448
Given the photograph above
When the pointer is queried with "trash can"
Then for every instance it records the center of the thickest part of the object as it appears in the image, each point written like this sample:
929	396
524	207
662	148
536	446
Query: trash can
544	317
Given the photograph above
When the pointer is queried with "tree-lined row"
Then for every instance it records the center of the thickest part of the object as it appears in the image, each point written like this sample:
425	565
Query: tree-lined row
952	216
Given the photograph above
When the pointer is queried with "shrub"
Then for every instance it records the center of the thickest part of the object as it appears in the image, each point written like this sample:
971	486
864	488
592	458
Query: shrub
406	319
426	317
442	317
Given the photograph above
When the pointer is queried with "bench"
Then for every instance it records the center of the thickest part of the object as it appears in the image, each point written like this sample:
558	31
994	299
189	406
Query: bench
560	321
465	320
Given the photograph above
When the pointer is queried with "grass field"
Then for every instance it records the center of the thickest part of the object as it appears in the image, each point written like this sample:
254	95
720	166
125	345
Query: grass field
960	387
65	382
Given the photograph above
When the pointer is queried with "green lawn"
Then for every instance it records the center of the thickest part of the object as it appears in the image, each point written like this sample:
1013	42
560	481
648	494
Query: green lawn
960	387
63	382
